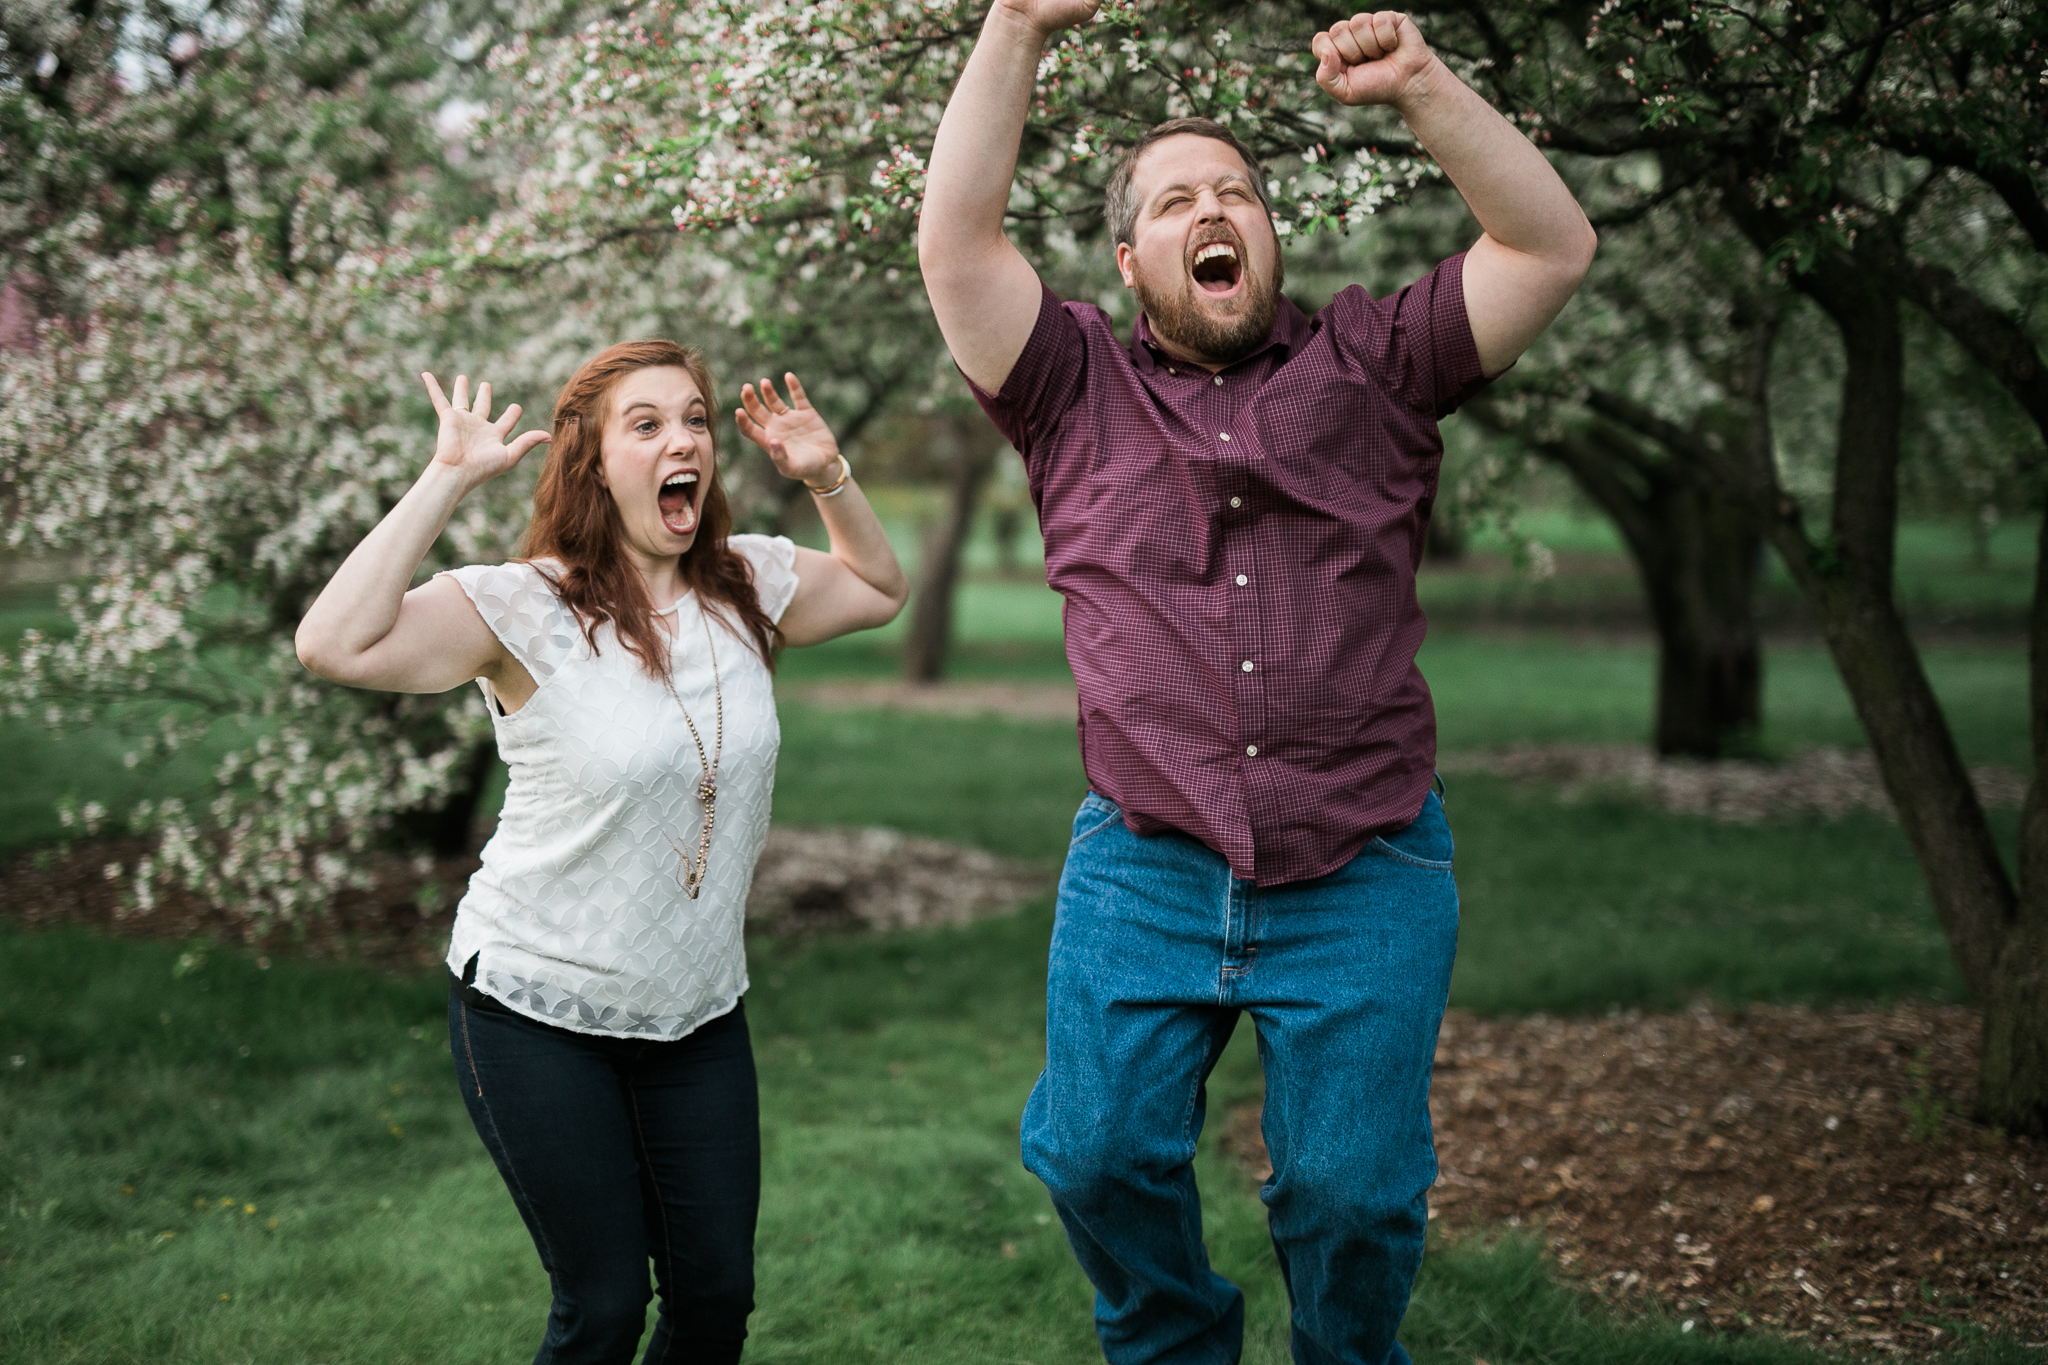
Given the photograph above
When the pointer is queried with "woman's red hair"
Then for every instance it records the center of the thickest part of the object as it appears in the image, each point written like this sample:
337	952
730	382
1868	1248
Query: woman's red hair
576	523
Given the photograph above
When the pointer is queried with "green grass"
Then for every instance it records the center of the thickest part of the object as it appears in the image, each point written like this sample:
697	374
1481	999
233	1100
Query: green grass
1495	689
1006	786
892	1071
1575	909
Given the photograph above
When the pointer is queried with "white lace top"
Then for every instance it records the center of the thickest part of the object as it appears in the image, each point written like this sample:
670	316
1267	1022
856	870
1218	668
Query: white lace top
578	916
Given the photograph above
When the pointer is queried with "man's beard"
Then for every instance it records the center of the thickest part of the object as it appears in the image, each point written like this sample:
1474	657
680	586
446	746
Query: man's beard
1178	317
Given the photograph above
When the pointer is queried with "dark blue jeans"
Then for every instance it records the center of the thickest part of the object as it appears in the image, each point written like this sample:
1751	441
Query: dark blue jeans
619	1151
1156	950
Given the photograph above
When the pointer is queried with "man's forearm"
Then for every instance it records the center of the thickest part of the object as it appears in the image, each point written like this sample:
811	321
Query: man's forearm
974	156
1509	186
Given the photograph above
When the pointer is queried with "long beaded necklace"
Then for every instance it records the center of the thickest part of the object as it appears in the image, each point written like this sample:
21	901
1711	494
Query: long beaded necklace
690	875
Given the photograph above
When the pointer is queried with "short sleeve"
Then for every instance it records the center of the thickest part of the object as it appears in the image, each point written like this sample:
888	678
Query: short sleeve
519	604
1417	341
773	560
1046	380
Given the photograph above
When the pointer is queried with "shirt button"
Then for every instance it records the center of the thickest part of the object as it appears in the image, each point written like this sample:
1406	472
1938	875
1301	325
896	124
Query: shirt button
1237	502
1251	751
1242	580
1222	435
1219	381
1246	665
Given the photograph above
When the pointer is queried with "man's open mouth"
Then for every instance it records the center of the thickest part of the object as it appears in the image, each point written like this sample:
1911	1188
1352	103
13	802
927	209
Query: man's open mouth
1217	270
678	500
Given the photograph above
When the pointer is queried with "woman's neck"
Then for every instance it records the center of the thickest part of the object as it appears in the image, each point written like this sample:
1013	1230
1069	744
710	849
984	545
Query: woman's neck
663	576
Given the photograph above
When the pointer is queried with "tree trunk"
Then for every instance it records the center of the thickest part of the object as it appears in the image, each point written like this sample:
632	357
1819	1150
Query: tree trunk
1443	542
1005	527
1849	578
1696	549
2012	1082
1701	590
17	315
969	461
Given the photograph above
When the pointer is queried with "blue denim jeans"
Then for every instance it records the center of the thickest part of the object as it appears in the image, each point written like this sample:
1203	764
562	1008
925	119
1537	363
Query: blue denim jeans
1155	951
619	1151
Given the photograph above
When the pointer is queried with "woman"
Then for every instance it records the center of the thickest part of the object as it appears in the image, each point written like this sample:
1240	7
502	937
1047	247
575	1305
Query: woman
596	964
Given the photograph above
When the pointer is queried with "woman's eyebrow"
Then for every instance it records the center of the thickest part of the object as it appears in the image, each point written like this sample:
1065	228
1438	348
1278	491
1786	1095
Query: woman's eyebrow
650	405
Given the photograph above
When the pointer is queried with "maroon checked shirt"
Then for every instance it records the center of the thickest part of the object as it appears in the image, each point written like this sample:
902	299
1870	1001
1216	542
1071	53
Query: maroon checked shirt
1238	552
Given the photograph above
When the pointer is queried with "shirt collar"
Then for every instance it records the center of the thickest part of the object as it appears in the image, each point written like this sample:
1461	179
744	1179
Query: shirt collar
1290	328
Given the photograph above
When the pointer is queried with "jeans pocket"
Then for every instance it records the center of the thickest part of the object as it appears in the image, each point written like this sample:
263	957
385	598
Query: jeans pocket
1424	841
1097	814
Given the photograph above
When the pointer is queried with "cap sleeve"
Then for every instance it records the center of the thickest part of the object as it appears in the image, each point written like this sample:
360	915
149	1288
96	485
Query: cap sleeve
773	560
519	604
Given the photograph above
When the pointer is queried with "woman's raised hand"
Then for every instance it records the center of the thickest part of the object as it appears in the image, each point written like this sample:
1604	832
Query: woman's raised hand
469	440
792	433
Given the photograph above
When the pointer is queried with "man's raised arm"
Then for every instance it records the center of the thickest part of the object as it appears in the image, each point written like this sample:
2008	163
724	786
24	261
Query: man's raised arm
983	291
1520	275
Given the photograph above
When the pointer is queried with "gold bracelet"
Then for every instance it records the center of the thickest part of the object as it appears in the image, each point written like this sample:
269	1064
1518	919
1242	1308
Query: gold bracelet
845	473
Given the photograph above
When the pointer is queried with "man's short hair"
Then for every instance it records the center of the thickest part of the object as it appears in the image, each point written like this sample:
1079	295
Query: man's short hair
1120	201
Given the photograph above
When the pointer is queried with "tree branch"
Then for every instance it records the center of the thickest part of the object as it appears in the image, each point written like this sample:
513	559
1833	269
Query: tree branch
1991	338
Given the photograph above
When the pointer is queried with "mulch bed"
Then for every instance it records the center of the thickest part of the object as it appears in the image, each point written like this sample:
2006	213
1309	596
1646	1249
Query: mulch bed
401	920
809	881
1819	781
1806	1171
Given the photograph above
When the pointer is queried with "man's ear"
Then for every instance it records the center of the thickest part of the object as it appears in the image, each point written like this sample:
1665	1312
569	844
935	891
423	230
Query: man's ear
1123	264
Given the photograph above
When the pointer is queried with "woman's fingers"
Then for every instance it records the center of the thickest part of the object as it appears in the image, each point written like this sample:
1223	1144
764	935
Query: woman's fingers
749	428
527	441
797	398
460	398
434	391
773	399
756	408
507	420
483	400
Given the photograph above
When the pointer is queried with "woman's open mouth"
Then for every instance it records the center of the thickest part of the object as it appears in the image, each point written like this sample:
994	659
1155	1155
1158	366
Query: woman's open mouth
1217	270
678	501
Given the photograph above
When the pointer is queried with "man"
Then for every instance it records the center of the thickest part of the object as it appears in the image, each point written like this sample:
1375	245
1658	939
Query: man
1234	506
